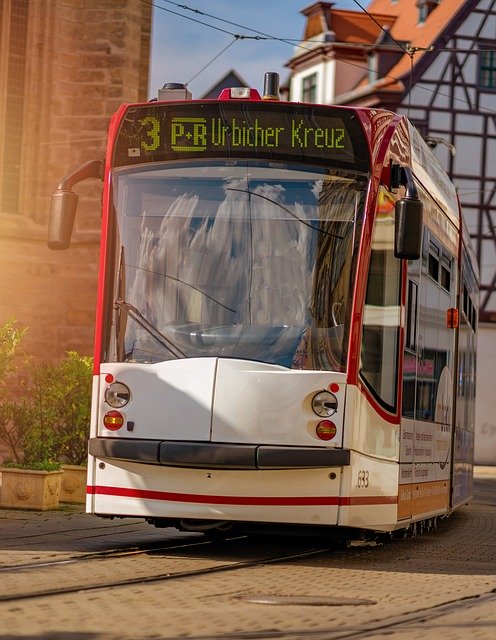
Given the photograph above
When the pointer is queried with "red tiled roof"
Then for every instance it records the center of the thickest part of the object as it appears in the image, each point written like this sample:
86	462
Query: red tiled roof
406	27
352	26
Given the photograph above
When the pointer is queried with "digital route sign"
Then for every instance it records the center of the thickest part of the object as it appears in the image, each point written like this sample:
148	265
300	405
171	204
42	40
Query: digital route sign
273	131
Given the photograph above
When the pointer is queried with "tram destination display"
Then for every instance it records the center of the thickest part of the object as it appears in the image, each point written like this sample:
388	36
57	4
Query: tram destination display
281	131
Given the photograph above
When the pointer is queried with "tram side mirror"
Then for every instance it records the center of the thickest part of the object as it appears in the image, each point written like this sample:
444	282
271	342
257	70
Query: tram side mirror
62	214
408	223
64	204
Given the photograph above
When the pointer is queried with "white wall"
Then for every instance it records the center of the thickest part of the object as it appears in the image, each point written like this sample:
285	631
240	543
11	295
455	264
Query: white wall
485	413
325	82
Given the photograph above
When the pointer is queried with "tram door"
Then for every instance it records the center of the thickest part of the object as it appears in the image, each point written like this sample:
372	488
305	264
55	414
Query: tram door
427	409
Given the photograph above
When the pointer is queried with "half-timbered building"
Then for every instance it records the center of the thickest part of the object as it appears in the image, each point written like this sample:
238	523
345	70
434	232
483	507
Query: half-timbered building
435	61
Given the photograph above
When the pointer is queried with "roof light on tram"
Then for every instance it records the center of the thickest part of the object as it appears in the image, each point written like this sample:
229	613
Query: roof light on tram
326	430
117	395
324	404
113	420
239	93
174	91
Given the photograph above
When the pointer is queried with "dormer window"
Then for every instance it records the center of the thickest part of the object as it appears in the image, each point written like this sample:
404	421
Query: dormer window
425	7
309	88
373	65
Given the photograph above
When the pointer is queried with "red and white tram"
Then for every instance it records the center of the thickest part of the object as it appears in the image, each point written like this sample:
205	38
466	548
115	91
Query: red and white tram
286	319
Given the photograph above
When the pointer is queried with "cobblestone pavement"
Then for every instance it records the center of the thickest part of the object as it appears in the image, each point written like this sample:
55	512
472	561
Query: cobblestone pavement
439	585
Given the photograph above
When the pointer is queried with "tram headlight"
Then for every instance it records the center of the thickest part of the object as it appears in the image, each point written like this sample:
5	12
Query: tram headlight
117	395
324	404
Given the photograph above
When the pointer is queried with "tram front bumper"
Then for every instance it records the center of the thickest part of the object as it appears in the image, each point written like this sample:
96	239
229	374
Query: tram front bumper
210	455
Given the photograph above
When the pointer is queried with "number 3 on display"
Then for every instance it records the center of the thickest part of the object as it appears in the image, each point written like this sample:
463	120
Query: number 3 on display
363	479
152	133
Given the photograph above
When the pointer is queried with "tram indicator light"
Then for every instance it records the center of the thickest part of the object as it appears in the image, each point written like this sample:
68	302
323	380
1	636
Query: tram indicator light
452	318
326	430
113	420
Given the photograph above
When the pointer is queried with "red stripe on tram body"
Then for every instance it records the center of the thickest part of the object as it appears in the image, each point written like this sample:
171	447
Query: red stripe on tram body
168	496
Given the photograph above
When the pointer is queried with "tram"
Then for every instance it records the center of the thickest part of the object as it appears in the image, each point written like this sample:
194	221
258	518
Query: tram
286	319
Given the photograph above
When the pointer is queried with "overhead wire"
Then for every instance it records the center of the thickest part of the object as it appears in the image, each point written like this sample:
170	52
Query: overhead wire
212	61
388	33
260	35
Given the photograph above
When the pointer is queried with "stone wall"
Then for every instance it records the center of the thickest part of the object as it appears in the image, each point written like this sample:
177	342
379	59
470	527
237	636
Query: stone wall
83	59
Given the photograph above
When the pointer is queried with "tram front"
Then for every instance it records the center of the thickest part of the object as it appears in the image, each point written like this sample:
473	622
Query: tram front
233	236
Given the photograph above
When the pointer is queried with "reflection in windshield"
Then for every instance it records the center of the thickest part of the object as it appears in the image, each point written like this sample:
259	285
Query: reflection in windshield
240	260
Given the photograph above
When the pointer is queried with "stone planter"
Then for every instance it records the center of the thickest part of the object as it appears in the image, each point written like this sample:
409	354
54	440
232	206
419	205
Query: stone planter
30	489
73	485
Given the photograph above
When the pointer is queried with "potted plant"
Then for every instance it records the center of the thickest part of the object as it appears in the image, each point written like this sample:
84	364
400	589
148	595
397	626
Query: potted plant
71	388
31	480
44	421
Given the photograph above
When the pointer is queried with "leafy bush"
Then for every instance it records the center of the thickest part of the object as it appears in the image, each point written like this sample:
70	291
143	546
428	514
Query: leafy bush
10	349
70	387
44	409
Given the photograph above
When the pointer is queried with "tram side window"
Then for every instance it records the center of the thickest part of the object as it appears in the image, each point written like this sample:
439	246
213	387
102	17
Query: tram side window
446	272
433	261
469	309
440	266
411	312
381	319
410	355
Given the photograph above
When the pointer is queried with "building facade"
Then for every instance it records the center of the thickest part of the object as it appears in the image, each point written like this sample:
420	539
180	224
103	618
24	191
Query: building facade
434	61
65	66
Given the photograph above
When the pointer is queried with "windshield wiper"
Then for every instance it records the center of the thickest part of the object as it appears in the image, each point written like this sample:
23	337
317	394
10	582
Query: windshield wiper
293	215
134	313
187	284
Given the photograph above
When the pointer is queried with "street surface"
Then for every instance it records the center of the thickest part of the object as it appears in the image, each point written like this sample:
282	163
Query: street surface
65	575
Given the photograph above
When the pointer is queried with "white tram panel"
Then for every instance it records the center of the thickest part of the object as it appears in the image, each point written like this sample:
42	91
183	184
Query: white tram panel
269	404
232	401
169	400
366	431
294	496
370	483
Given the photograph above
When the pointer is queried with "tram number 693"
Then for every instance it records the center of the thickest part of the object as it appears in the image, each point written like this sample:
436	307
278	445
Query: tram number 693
363	479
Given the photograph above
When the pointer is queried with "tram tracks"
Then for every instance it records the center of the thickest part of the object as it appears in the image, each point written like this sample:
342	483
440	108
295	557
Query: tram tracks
387	626
96	555
74	585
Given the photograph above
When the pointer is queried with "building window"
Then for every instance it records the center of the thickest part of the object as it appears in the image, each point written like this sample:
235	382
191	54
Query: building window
487	68
425	7
309	88
14	108
373	64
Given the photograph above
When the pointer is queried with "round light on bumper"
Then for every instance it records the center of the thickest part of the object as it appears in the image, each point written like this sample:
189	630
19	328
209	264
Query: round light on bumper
326	430
117	395
113	420
324	404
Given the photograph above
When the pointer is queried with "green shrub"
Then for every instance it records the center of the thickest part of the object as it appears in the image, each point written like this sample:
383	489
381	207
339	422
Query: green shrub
70	389
44	409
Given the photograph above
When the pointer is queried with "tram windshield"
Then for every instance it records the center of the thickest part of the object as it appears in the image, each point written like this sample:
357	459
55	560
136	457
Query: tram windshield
236	259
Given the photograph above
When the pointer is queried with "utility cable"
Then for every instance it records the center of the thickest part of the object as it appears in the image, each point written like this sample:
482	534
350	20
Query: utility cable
388	33
212	60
